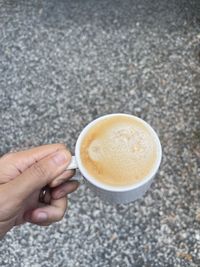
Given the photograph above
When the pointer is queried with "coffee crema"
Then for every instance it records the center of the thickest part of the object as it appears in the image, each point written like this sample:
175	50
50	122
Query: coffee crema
119	150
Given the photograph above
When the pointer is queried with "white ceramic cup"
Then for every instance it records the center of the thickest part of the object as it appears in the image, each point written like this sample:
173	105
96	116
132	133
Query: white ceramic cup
108	193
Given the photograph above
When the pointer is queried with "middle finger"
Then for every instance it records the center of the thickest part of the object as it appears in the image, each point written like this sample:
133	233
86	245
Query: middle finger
65	176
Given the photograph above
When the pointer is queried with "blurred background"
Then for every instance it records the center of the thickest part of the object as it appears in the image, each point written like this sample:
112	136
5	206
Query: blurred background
64	63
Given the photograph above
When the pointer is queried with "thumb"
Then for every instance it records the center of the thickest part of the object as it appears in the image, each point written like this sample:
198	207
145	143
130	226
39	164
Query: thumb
38	175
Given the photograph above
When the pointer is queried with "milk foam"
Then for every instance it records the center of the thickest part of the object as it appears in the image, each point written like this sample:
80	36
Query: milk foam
119	151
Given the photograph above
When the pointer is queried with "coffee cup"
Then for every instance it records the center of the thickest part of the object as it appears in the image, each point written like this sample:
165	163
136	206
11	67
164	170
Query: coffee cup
118	144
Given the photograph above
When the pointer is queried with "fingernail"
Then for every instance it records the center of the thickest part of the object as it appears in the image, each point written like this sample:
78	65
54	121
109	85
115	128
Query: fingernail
60	157
42	216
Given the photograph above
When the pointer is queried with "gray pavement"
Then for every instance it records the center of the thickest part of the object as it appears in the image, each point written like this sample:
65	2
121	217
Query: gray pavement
64	63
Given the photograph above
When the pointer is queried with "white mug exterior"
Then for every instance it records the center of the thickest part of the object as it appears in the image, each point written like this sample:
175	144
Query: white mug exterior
111	194
122	197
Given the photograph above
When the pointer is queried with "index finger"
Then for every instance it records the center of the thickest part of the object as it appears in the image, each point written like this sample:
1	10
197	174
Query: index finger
20	161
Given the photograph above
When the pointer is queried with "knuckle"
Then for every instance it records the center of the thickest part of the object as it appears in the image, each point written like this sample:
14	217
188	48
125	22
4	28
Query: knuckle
38	170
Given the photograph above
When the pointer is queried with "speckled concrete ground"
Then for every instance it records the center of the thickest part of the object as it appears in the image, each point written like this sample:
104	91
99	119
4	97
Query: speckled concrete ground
64	63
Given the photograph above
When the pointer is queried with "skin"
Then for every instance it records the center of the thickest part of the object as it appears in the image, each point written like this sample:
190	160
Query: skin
22	176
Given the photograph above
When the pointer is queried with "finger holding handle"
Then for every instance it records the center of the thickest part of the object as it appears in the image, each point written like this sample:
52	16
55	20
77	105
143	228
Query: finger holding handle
68	173
73	164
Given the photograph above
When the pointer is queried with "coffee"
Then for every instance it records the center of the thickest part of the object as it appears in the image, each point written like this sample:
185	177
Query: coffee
119	150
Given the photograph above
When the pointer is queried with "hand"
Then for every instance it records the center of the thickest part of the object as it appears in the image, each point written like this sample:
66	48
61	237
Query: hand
23	175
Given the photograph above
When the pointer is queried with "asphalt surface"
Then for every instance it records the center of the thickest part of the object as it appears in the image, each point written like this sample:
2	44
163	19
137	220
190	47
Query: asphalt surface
64	63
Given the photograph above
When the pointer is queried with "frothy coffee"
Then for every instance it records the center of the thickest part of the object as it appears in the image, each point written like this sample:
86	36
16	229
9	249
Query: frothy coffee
119	150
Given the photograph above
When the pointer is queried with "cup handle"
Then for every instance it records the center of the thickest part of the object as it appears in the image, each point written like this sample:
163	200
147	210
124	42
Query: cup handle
73	164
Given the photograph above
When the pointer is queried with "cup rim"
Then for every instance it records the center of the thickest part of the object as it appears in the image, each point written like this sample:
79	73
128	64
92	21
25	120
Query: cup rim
107	187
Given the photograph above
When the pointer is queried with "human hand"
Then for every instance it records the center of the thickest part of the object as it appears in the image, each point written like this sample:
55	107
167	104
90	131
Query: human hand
23	175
